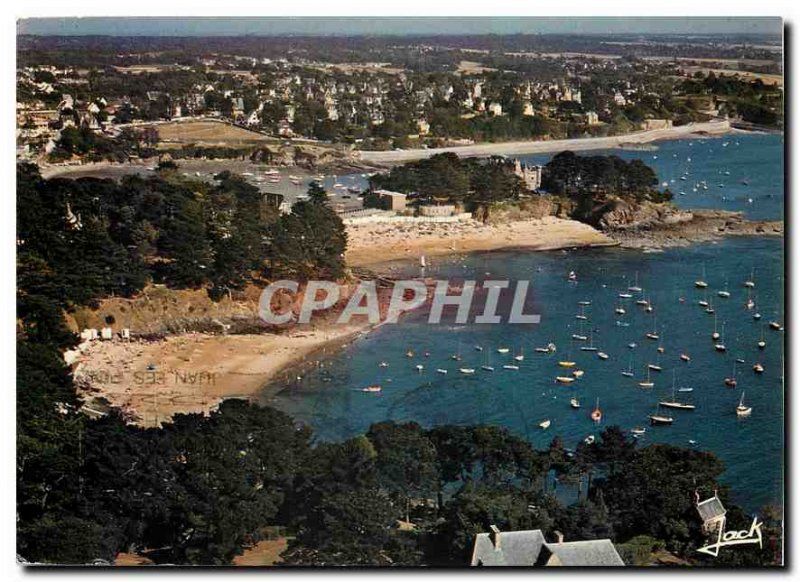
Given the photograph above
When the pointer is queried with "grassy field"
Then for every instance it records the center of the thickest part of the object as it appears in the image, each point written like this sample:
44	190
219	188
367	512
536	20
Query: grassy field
208	132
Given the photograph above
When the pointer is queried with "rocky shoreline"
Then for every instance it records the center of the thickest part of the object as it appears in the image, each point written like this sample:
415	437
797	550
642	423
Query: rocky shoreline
679	228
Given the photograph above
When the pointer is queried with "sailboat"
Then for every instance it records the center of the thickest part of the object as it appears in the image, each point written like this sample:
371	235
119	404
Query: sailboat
750	304
602	355
685	357
590	347
674	403
720	345
544	424
597	414
635	287
487	365
647	383
731	382
704	301
572	277
520	356
510	367
762	343
715	333
582	315
619	310
741	409
653	335
656	418
724	293
638	431
503	350
574	402
629	372
758	368
655	367
701	283
775	325
751	282
468	371
564	379
457	355
710	308
441	371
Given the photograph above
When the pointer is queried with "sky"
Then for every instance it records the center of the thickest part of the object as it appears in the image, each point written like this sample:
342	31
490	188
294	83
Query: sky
342	26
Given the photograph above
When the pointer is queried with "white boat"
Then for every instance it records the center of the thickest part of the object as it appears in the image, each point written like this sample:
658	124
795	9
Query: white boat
602	355
647	383
751	282
422	262
663	419
775	325
577	373
584	303
653	335
758	368
762	342
487	368
510	367
632	345
572	277
565	379
701	283
685	389
478	348
625	296
502	350
635	287
383	365
741	409
638	431
467	370
441	371
372	388
520	356
720	345
574	402
420	367
579	337
589	439
544	424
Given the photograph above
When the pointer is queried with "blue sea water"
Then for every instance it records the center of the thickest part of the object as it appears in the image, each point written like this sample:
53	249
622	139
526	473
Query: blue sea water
328	397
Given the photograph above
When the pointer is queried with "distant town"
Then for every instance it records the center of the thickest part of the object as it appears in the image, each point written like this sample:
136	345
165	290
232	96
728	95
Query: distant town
375	94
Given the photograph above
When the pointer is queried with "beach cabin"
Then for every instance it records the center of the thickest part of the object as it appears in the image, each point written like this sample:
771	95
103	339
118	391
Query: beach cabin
106	333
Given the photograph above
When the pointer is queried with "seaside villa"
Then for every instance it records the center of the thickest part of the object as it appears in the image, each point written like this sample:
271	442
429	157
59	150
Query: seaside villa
530	548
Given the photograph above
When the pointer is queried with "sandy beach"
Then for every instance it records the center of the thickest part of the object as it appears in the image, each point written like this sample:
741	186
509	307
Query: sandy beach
193	373
370	244
542	147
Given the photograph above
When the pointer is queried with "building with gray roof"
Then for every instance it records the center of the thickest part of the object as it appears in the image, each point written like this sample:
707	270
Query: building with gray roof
530	548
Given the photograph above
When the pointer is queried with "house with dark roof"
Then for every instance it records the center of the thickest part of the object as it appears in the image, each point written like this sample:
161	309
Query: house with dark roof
529	548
